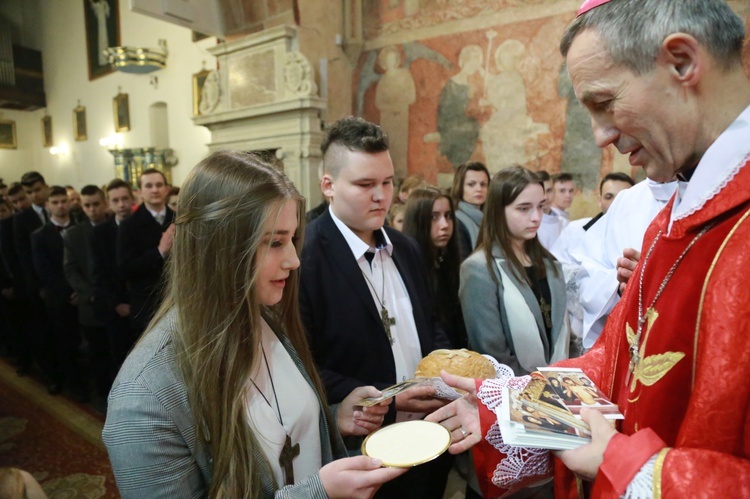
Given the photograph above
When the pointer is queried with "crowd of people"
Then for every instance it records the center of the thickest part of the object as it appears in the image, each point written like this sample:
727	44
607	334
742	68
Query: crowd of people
246	331
80	276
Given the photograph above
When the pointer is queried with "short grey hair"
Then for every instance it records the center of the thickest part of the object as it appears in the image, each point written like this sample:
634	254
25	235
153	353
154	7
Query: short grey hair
633	30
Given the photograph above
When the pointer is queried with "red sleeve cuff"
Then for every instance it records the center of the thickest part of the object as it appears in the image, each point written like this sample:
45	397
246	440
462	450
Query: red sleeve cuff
623	459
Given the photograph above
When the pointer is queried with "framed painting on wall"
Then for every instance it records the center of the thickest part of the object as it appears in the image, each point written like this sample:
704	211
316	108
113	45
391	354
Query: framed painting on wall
79	123
8	134
121	112
102	31
47	131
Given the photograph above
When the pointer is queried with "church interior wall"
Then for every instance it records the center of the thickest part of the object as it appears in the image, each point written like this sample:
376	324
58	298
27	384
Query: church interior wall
62	42
450	81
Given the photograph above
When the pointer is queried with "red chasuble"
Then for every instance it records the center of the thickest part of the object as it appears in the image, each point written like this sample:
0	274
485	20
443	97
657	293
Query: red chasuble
686	391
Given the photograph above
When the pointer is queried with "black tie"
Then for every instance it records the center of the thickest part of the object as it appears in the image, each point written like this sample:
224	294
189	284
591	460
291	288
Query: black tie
369	256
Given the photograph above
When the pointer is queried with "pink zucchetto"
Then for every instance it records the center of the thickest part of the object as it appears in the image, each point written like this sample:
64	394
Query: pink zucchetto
590	4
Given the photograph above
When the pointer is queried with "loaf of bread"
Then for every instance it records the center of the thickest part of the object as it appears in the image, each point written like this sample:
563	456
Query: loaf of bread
459	362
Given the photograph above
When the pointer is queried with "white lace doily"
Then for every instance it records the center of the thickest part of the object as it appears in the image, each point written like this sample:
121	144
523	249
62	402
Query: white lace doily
520	464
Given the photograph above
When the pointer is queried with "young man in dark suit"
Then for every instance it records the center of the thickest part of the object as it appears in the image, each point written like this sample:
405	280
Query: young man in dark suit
111	301
14	295
364	297
59	298
143	242
36	332
79	272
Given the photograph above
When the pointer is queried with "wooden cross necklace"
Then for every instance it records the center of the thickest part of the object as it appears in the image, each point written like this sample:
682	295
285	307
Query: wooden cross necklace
387	320
288	451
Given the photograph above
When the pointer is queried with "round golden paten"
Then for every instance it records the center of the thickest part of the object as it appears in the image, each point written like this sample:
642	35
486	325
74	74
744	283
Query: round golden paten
407	444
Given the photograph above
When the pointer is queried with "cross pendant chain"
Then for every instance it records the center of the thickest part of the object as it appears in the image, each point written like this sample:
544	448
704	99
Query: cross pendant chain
385	317
288	453
635	344
388	321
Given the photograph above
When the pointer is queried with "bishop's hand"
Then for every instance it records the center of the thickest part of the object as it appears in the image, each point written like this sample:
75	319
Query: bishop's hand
585	460
460	417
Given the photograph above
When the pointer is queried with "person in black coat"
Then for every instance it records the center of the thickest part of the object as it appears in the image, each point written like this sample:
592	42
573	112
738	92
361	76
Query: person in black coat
34	341
60	300
12	302
111	301
143	242
364	297
79	272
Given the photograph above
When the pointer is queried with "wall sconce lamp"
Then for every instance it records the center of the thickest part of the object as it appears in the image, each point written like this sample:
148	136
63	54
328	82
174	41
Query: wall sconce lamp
61	150
114	141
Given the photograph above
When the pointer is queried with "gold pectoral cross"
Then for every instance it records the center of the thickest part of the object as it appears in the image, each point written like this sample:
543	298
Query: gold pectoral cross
647	370
388	321
288	453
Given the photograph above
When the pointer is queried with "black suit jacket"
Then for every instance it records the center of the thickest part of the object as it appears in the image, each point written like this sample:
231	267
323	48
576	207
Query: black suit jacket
24	224
48	250
78	266
109	284
345	330
139	262
9	257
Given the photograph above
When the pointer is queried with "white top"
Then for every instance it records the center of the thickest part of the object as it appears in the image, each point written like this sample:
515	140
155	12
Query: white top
386	280
569	239
560	213
717	167
40	213
622	227
550	229
300	410
158	215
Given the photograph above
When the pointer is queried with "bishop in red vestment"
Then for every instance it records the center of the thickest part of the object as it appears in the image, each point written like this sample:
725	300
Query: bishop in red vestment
663	82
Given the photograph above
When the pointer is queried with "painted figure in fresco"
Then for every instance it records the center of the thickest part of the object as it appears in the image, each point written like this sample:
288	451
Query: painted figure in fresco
458	128
393	96
412	51
510	135
101	11
580	154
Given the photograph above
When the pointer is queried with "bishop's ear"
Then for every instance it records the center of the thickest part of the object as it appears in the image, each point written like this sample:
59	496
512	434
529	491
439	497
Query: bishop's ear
685	57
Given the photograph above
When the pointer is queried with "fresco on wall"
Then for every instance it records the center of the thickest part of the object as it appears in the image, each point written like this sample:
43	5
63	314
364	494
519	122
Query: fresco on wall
388	72
480	80
488	95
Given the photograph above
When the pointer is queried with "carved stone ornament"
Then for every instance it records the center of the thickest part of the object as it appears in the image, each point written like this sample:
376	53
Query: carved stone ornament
298	75
210	93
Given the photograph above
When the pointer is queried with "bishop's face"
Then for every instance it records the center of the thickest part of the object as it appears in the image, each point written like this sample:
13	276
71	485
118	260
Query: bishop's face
649	117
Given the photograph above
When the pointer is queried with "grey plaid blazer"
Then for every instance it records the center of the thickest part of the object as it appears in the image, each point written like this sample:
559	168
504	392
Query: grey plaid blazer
150	432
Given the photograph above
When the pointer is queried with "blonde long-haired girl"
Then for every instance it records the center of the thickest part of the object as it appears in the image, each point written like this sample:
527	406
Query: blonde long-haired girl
220	397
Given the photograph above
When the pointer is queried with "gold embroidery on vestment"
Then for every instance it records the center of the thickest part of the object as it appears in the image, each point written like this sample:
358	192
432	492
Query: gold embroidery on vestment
658	466
648	370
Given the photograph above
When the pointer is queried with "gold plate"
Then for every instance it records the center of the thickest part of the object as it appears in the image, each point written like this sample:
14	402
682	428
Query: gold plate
407	444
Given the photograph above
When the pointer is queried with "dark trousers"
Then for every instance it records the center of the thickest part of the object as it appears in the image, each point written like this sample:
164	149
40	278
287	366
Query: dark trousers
66	339
10	326
121	339
99	357
34	340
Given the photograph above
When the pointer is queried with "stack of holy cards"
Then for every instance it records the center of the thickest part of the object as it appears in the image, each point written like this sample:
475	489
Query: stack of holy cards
546	413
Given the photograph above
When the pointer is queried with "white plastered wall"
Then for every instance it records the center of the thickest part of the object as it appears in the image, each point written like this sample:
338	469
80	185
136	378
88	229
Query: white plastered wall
63	46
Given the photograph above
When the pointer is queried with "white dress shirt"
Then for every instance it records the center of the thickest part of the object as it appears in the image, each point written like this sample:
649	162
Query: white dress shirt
385	281
550	229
